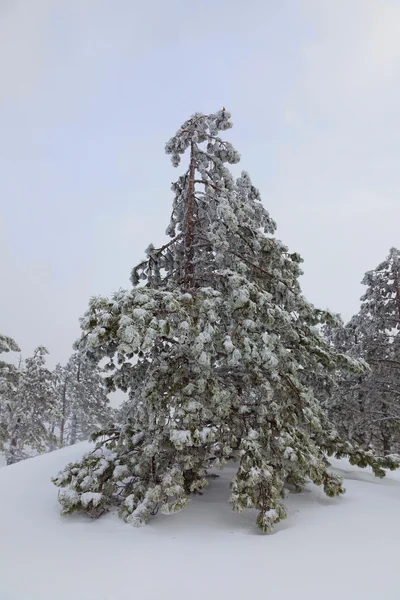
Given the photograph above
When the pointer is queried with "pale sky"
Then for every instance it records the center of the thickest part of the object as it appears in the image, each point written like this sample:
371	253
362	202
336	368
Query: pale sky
91	90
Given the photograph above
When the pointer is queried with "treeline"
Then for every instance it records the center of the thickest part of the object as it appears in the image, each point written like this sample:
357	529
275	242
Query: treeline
43	409
366	406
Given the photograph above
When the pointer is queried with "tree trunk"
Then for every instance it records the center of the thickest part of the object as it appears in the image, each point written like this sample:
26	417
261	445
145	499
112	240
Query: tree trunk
74	423
397	284
63	411
386	443
12	457
189	267
361	407
53	439
385	431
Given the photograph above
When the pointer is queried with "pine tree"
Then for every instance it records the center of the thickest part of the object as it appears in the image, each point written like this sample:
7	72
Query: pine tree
83	403
9	378
7	344
366	407
30	409
227	351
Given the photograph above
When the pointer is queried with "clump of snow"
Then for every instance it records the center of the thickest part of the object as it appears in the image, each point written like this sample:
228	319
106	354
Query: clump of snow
91	498
180	438
327	548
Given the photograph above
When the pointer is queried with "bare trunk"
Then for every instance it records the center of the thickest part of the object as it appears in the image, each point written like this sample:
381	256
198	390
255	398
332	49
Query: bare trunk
189	230
63	411
397	284
362	433
386	443
74	421
385	431
12	457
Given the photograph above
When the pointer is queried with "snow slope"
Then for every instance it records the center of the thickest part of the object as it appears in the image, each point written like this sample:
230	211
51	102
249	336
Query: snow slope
344	548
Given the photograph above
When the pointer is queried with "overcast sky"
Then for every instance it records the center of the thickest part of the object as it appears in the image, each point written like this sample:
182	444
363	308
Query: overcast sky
90	91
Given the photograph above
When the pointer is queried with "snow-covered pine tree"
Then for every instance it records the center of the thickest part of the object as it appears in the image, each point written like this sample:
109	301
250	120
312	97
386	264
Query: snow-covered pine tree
30	409
345	401
225	345
9	378
57	425
366	407
7	344
83	403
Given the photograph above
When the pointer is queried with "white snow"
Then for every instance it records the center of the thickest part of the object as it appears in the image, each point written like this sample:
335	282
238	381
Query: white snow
327	548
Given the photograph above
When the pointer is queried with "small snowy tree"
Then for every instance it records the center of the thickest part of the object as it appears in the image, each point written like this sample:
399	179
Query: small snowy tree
366	407
83	403
9	378
224	344
30	409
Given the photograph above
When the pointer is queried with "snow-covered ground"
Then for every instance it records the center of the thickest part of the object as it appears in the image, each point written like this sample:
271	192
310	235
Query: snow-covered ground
344	548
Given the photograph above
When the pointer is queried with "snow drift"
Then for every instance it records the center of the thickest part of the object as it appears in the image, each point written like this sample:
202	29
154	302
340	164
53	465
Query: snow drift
327	548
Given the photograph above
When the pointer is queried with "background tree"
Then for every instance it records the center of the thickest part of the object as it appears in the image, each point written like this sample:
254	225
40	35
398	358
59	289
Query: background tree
9	378
30	409
366	407
83	403
228	355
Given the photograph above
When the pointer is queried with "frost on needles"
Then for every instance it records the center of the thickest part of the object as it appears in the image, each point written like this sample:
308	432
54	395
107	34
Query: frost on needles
220	353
